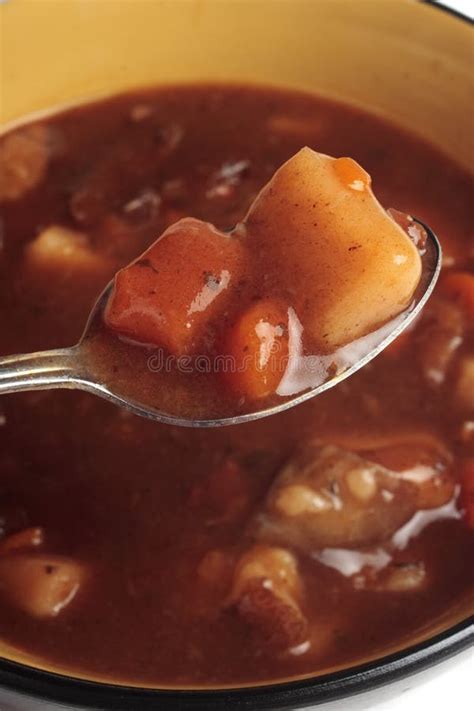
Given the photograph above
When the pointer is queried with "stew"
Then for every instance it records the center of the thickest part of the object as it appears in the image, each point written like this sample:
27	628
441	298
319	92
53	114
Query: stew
149	554
307	284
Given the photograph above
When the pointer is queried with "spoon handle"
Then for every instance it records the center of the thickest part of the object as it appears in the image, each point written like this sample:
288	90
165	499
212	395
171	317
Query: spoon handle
40	371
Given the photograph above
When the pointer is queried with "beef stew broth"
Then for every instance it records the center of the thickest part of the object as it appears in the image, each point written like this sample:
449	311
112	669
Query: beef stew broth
158	555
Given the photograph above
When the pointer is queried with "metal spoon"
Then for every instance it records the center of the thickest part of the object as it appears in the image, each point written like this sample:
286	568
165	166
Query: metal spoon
73	367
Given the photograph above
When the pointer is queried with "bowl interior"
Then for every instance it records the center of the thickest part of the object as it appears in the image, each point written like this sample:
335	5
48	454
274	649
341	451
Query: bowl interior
412	63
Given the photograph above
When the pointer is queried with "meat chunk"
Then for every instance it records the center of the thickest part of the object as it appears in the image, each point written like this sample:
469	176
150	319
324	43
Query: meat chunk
415	455
422	459
41	585
171	293
266	593
319	219
406	577
24	156
328	497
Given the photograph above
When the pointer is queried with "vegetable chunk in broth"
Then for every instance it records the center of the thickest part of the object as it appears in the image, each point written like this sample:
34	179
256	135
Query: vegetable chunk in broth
149	554
294	295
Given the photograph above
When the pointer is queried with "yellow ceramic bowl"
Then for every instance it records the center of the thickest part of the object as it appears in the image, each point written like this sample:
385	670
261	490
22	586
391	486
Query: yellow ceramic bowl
404	59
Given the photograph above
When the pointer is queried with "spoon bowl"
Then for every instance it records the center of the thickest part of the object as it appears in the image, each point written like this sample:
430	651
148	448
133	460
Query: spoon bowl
77	368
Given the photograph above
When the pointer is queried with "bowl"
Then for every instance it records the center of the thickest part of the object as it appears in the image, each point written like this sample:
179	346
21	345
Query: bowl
411	63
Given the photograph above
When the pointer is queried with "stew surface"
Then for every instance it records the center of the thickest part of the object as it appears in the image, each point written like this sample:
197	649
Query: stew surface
149	554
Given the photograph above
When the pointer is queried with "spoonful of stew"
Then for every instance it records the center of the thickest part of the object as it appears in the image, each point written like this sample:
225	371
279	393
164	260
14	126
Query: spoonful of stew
209	328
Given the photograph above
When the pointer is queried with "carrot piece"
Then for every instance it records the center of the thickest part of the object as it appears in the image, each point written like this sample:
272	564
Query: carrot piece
467	491
258	344
351	174
170	294
459	286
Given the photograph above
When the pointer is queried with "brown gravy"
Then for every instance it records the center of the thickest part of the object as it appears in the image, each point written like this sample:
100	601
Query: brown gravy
140	505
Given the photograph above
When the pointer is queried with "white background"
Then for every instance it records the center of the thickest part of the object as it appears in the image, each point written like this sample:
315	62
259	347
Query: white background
465	6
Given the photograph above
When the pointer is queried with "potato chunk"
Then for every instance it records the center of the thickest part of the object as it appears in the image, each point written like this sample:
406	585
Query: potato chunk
336	245
24	156
328	497
171	293
59	250
41	585
266	591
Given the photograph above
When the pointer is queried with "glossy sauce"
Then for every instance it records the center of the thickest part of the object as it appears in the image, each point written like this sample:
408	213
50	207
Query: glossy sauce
137	503
314	278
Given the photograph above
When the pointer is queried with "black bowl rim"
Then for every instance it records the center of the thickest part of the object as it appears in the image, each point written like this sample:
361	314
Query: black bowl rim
293	694
64	689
